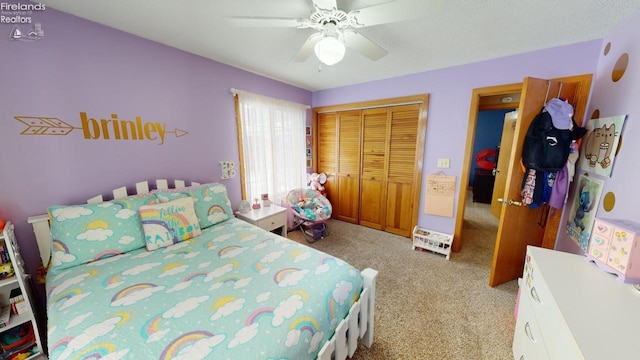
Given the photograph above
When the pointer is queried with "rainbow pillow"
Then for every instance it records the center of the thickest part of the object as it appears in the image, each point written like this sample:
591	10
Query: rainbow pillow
211	203
168	223
84	233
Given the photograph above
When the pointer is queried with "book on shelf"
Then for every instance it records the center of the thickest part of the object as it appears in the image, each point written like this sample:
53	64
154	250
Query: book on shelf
5	316
15	300
4	255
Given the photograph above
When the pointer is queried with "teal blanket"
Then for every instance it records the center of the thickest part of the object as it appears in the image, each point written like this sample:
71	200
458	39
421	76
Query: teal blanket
234	292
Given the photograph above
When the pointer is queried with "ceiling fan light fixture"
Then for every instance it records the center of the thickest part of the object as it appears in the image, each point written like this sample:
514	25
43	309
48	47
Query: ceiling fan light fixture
329	50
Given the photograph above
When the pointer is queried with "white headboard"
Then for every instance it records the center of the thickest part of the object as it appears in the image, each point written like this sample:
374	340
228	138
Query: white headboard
40	223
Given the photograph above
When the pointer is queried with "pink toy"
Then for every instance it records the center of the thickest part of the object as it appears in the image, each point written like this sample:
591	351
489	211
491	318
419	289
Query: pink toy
314	182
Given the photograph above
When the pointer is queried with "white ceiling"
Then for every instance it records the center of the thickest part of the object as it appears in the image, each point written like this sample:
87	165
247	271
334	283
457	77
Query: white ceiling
448	32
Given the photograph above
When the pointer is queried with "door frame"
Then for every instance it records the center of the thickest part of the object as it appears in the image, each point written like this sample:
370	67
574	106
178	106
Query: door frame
580	108
468	152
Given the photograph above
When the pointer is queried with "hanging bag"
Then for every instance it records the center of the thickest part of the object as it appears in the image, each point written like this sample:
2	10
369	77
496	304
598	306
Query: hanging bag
548	140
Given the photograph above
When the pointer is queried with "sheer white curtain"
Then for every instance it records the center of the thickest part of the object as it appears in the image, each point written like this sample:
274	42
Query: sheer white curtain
273	141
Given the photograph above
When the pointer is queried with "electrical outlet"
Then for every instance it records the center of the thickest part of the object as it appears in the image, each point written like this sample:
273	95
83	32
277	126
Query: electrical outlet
443	163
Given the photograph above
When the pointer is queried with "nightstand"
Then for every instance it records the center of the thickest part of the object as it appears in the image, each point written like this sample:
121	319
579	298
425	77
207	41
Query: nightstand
267	217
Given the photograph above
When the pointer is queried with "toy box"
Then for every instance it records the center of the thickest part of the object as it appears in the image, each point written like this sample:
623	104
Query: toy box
614	248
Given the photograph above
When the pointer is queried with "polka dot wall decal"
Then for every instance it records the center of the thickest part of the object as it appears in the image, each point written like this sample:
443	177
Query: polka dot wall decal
607	48
609	201
620	67
596	114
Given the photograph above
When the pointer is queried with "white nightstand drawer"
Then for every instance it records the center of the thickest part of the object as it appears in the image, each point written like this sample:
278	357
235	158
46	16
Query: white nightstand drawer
272	222
267	218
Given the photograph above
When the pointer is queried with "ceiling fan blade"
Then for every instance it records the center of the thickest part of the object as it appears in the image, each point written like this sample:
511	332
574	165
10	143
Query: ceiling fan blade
388	12
307	48
327	5
260	21
360	43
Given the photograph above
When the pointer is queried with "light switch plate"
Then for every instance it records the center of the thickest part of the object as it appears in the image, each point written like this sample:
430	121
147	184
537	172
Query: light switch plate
443	163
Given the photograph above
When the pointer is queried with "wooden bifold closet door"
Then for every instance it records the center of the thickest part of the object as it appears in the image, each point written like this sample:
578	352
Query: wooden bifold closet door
402	154
373	179
373	161
339	159
347	176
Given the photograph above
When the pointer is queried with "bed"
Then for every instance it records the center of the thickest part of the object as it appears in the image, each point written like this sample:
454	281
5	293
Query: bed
200	285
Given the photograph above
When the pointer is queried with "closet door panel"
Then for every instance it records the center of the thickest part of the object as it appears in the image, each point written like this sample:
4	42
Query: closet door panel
399	203
374	165
348	175
327	129
403	141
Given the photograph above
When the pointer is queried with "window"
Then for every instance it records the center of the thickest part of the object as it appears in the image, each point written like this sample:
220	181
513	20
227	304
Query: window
272	146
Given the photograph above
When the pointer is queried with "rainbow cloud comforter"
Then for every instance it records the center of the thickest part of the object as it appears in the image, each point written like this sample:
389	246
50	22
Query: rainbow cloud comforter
234	292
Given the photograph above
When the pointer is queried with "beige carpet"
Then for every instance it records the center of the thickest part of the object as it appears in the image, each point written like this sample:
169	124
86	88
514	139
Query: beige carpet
428	307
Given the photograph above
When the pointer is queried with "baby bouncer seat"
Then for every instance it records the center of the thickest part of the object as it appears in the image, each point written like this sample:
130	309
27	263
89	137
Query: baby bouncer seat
310	210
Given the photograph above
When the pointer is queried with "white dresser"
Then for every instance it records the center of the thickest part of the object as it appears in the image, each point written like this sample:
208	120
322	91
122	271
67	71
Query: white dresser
570	309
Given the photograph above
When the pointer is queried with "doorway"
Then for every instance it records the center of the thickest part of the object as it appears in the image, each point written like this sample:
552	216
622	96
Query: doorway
488	170
490	98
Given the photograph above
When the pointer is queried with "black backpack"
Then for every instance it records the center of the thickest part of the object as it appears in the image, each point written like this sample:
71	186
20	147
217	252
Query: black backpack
546	148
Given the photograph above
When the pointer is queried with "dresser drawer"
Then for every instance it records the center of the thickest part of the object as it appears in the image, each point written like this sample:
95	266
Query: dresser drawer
528	343
536	291
602	229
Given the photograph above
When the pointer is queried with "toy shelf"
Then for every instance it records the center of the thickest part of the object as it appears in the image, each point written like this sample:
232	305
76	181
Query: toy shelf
433	241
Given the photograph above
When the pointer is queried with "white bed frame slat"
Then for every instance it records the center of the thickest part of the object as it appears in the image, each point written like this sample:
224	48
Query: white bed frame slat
357	325
120	193
162	184
40	224
142	187
95	200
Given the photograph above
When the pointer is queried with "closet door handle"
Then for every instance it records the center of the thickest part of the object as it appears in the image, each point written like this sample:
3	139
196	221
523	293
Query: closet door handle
534	295
527	330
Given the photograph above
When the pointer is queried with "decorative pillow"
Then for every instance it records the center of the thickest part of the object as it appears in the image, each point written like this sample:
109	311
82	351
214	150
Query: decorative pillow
168	223
166	196
84	233
211	203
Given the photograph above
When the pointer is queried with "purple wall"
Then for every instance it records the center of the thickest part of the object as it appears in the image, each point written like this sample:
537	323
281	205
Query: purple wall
80	66
450	97
610	99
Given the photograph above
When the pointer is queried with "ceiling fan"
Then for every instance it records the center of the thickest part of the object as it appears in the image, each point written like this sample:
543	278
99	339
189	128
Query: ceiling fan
336	28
